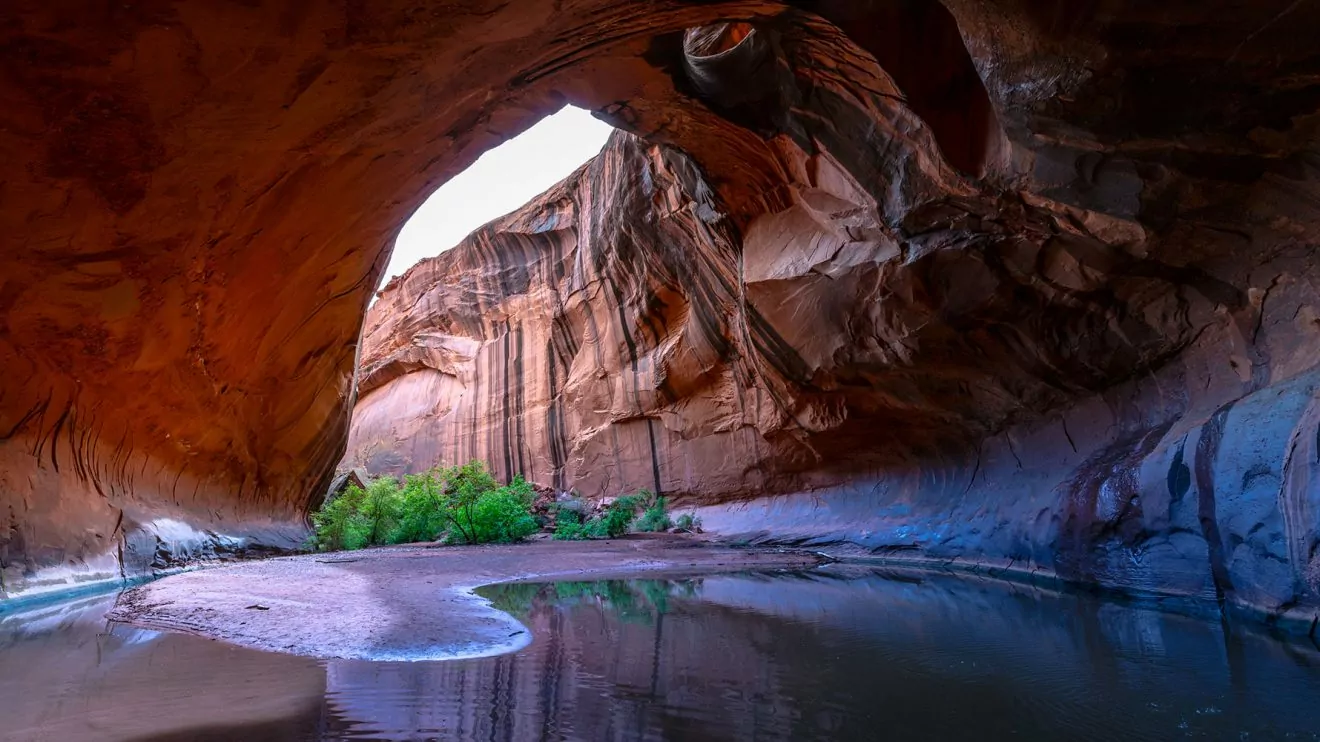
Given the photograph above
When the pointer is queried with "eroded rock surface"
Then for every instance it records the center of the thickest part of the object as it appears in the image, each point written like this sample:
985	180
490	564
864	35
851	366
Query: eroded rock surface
198	199
1022	281
1083	344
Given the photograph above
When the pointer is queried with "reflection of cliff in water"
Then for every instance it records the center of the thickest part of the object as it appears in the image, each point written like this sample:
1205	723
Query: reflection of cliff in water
783	657
66	675
741	657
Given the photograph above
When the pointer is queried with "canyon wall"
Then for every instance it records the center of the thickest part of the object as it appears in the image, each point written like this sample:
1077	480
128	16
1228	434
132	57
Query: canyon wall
1022	281
198	200
1083	354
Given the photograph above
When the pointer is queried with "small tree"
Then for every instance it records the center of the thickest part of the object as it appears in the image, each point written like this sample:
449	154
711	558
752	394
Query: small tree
339	523
421	509
504	515
480	511
464	486
380	509
655	518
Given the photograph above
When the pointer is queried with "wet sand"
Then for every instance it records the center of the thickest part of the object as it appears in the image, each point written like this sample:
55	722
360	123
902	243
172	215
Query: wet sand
408	602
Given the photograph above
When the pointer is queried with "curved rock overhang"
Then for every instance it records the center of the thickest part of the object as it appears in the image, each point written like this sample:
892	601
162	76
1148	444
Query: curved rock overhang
198	199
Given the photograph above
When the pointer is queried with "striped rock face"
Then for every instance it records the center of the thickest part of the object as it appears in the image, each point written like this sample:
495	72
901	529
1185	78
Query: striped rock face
1029	283
1065	371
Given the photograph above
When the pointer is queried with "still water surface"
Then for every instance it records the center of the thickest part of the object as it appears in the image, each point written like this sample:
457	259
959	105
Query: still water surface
830	655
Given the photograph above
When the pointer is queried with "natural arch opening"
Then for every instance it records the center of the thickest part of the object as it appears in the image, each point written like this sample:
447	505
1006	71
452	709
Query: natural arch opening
667	270
502	180
229	258
823	280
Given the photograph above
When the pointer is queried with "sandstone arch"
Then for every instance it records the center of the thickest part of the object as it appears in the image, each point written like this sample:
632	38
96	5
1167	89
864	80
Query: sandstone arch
198	196
197	200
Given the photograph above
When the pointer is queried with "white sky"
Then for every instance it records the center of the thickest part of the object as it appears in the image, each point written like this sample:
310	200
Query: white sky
499	182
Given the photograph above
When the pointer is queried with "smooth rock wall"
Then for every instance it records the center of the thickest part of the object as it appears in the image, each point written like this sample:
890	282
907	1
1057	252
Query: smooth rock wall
856	241
1095	359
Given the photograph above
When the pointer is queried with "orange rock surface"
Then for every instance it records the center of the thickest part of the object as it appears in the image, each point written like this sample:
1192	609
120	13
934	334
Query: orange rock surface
198	199
1022	281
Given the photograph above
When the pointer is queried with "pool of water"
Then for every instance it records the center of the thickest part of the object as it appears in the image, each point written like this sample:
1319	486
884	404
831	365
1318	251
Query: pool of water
832	654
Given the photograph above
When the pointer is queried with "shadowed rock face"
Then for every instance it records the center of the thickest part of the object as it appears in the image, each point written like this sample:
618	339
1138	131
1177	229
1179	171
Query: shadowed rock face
1013	280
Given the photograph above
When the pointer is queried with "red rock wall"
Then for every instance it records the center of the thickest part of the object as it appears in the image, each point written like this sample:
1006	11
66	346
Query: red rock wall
864	250
1096	361
198	199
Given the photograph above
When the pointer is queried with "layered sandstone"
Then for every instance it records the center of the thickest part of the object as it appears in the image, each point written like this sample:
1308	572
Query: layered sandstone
1028	281
1096	360
198	199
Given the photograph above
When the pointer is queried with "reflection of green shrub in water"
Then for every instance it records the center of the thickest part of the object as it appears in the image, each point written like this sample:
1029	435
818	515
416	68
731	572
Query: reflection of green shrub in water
516	598
620	595
657	593
634	601
566	592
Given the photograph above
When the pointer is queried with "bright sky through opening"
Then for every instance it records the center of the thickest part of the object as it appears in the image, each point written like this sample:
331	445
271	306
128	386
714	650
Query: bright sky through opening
499	182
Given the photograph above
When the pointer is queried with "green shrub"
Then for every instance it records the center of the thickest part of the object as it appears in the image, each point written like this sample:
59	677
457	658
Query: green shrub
464	504
339	523
688	522
634	502
479	511
421	509
517	598
380	509
464	486
503	516
655	518
619	516
613	523
568	525
600	528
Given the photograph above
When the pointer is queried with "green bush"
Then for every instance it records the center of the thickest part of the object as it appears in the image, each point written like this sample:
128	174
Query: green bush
464	486
569	526
619	516
465	505
339	523
655	518
504	515
380	509
461	504
421	509
613	523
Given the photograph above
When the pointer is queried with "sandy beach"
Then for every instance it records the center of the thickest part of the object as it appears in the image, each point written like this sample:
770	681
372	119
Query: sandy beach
410	602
